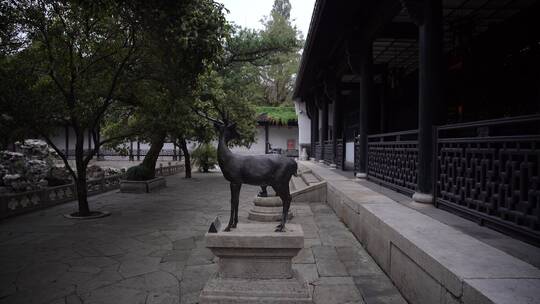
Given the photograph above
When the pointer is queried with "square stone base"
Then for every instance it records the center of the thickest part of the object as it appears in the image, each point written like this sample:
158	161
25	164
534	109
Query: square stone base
242	291
255	265
142	186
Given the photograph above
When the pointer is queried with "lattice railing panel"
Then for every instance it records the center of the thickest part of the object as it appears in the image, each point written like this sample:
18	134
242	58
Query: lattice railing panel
329	152
356	157
494	177
392	160
339	154
394	163
489	171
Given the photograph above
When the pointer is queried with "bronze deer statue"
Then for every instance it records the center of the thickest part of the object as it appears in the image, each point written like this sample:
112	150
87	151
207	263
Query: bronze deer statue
257	170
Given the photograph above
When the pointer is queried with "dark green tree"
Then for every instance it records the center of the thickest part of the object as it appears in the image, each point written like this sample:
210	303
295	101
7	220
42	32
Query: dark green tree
181	39
73	57
80	62
278	76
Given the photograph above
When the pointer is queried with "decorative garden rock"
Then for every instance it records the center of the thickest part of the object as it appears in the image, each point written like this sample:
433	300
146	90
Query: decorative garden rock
95	171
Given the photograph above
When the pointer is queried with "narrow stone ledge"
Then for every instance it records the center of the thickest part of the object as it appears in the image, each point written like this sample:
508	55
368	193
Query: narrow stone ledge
428	261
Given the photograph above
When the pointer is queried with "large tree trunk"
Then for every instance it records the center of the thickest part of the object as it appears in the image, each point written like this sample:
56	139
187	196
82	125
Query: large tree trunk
187	157
150	159
80	181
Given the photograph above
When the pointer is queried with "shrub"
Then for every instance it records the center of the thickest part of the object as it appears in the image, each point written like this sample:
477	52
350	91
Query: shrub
139	173
205	157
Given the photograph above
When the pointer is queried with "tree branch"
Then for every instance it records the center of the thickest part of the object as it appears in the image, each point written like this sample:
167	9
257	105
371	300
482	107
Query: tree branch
59	152
97	144
114	83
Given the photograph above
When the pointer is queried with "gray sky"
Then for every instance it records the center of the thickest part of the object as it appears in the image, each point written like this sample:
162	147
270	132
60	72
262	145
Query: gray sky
248	13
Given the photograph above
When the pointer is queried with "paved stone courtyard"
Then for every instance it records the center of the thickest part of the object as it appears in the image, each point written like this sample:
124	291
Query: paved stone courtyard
151	250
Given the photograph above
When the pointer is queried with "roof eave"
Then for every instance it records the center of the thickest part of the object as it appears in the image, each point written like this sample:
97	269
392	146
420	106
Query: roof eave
313	26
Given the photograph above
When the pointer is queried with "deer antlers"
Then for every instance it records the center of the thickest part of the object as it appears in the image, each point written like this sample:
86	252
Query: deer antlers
224	115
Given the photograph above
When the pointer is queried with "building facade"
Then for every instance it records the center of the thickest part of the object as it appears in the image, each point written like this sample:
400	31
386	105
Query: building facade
437	99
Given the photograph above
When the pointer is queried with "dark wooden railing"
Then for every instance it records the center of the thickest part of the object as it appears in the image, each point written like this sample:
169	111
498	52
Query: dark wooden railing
23	202
318	151
328	151
489	171
356	156
339	153
392	160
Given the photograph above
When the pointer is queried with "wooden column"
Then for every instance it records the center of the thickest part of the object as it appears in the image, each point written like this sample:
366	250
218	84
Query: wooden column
382	102
311	132
314	129
324	121
324	126
366	95
430	45
335	124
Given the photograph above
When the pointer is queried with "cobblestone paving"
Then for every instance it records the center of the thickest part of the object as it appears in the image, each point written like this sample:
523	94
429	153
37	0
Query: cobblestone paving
151	250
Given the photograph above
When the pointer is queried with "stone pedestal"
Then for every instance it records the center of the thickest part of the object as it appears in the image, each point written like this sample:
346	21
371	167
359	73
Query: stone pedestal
142	186
267	209
255	266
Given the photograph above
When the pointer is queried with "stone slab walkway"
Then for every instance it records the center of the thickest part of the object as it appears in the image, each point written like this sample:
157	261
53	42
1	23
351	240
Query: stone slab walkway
151	250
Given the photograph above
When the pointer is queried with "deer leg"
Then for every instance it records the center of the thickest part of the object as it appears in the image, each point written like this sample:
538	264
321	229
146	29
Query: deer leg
235	191
235	188
263	192
286	198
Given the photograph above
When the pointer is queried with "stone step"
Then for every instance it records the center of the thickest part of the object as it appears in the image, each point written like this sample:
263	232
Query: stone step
309	178
298	183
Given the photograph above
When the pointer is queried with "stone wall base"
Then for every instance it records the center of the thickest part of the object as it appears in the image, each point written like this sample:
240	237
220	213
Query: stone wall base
148	186
428	261
220	290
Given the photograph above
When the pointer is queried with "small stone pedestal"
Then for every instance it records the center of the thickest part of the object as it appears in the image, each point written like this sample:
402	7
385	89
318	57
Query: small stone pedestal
267	209
255	266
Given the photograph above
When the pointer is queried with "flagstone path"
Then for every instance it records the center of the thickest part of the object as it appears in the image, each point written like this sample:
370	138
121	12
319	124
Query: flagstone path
151	250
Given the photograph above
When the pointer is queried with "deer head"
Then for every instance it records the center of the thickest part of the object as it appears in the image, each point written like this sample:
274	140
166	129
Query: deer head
224	127
227	130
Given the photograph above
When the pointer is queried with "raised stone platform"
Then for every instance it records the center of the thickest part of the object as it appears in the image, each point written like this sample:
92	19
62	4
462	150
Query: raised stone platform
142	186
428	261
255	266
267	209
